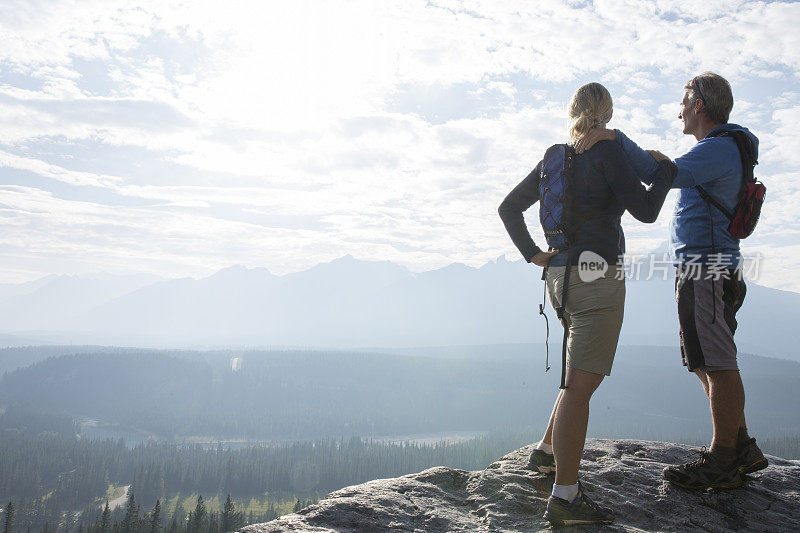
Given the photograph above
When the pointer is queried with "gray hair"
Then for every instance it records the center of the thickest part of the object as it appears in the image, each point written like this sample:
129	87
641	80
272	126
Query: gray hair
715	92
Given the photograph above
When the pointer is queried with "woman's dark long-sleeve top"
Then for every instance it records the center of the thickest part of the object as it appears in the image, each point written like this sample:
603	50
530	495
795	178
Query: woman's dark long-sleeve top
605	185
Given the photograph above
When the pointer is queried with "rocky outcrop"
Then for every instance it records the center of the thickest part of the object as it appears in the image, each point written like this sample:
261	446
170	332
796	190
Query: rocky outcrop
506	496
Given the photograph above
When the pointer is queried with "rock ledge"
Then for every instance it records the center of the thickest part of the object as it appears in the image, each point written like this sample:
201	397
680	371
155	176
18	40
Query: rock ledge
506	496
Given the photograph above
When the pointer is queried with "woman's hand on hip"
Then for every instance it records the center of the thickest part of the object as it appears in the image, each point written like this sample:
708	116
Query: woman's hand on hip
543	258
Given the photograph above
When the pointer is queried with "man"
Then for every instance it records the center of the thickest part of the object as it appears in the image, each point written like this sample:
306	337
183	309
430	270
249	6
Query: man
709	287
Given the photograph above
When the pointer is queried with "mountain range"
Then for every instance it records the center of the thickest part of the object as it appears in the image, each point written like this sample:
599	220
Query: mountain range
350	303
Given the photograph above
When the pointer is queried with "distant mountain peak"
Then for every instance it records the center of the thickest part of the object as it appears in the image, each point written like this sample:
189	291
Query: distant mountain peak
349	261
237	271
458	267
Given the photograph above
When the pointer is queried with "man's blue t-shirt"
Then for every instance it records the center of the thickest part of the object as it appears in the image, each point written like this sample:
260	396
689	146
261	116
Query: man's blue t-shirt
714	163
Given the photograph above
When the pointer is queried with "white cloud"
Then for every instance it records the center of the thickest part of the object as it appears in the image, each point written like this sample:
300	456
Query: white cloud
780	143
55	172
286	133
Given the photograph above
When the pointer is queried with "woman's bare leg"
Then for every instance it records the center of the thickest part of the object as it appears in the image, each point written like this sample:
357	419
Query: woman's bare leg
548	434
571	420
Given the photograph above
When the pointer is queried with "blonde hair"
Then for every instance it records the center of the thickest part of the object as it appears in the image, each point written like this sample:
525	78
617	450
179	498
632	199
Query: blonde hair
591	105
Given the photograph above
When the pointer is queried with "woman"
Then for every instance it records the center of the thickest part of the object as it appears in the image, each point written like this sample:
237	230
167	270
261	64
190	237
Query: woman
604	186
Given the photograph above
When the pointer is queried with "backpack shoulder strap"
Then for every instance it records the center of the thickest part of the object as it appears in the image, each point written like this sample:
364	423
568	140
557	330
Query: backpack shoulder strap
710	199
746	152
747	155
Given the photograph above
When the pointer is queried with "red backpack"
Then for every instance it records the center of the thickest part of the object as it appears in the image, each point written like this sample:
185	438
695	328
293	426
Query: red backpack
745	215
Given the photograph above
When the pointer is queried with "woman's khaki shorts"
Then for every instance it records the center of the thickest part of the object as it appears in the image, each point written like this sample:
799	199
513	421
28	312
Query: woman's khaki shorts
594	315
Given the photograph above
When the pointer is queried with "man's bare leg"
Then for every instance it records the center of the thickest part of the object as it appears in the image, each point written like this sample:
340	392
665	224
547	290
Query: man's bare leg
726	395
703	377
728	383
721	468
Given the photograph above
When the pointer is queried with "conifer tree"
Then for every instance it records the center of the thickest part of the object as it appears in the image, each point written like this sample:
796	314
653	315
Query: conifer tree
213	522
130	524
105	522
231	519
155	518
225	519
8	523
198	516
141	520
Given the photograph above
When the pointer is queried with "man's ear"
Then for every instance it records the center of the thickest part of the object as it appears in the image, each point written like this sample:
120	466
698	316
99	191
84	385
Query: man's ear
701	107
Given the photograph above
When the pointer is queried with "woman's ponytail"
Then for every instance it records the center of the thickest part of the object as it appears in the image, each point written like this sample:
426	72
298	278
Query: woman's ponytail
591	106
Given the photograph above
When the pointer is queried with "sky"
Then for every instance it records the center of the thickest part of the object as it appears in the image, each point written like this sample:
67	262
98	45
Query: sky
179	138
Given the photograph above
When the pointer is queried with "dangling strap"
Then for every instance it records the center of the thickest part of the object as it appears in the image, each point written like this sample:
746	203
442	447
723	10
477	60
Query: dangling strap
561	316
571	227
546	322
714	253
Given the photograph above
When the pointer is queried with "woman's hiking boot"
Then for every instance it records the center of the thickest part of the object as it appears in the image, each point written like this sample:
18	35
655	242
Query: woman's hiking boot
542	461
707	472
751	459
581	511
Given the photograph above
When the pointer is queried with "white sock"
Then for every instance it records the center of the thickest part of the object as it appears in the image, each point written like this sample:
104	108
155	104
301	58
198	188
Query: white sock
546	448
566	492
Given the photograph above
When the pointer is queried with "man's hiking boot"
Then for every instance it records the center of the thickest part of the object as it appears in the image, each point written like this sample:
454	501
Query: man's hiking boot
750	457
542	461
581	511
707	472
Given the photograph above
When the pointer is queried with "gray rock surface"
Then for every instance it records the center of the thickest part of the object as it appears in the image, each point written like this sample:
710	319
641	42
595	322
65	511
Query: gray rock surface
506	496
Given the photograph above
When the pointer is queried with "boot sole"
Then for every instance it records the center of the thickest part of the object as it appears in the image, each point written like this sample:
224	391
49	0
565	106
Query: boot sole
567	523
732	485
542	469
761	464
